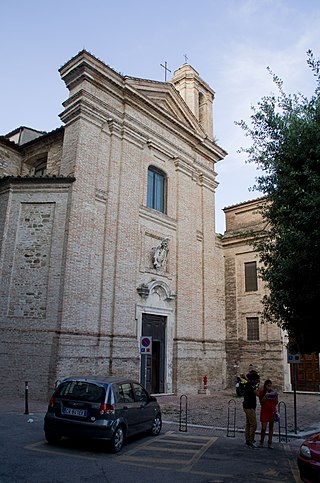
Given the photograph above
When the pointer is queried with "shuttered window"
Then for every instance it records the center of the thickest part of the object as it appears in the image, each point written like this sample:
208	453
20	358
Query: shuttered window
250	275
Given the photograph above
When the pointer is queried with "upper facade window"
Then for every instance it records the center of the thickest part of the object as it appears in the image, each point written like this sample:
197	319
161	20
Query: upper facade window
156	195
40	168
250	275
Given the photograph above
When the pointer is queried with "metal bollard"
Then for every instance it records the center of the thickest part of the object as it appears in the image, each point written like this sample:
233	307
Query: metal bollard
26	395
183	426
232	411
283	420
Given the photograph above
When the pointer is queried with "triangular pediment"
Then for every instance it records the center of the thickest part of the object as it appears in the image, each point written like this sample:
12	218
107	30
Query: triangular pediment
166	96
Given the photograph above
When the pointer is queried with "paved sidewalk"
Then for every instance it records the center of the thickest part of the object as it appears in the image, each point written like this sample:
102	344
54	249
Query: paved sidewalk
212	411
219	409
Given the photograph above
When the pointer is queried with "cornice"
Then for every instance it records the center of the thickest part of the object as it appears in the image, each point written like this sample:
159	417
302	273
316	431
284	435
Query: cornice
156	146
86	67
87	106
233	239
158	217
194	137
35	182
205	179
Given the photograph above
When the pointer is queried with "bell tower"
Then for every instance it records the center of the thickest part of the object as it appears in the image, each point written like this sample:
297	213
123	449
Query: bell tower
197	94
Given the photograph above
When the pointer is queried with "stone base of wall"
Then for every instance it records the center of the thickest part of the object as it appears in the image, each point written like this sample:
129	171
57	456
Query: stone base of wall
103	356
193	361
204	391
266	358
26	356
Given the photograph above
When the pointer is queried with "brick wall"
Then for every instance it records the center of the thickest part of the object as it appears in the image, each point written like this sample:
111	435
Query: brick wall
266	355
94	251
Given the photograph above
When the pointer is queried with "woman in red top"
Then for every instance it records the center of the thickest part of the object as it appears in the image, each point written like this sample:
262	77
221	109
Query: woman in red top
268	399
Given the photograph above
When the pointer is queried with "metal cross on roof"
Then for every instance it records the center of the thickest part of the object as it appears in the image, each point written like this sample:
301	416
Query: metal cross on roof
165	70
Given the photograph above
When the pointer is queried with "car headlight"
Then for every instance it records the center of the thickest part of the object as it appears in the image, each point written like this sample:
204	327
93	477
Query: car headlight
305	452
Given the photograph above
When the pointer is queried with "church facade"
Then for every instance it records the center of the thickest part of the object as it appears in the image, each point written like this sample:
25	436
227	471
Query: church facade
110	263
108	235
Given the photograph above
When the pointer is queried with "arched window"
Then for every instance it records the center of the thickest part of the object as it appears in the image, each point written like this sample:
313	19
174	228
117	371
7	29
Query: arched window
41	167
156	195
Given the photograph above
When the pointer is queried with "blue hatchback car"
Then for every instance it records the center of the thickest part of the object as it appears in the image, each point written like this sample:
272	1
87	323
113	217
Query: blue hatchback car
110	408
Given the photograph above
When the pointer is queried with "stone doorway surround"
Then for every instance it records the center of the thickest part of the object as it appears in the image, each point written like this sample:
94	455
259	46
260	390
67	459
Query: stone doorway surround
157	299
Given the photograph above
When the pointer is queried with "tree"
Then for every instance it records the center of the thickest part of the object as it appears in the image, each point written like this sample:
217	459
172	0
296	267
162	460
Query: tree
285	130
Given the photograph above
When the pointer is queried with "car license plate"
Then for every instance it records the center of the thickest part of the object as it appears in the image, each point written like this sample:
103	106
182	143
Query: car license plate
75	412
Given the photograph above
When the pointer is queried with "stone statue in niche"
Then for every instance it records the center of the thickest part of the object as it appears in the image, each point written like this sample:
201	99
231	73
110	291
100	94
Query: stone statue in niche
159	258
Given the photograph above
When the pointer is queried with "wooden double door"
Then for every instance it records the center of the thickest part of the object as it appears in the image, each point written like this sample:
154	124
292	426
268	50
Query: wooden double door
307	373
153	366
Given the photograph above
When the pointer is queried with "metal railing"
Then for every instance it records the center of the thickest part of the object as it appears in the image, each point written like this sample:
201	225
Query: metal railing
232	418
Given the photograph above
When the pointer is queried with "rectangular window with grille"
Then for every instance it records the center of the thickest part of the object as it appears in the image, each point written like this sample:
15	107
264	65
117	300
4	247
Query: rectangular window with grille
253	328
250	275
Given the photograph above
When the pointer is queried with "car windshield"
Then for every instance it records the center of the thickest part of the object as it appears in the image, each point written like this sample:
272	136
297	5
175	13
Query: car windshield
81	390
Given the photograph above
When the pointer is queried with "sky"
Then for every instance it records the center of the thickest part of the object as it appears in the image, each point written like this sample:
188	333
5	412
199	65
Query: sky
229	42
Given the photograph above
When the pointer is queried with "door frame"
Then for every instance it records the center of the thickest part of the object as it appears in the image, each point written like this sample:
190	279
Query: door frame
169	335
154	364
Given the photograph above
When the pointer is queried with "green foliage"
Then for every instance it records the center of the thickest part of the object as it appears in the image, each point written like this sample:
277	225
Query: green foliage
285	131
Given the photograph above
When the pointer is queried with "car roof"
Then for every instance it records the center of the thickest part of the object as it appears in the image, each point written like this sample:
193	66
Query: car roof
99	379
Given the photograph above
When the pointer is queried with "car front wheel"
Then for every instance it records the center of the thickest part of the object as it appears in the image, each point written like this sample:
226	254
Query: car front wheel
117	440
156	425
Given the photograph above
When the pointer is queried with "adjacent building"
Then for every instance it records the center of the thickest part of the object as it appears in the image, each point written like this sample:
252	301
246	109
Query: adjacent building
248	339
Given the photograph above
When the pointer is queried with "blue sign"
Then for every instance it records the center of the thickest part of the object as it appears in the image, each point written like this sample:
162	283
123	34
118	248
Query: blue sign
294	358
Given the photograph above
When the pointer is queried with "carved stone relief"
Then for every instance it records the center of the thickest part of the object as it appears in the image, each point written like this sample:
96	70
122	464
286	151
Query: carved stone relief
160	255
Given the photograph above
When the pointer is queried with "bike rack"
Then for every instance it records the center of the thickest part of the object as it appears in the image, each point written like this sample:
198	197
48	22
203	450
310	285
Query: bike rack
232	411
183	424
285	426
